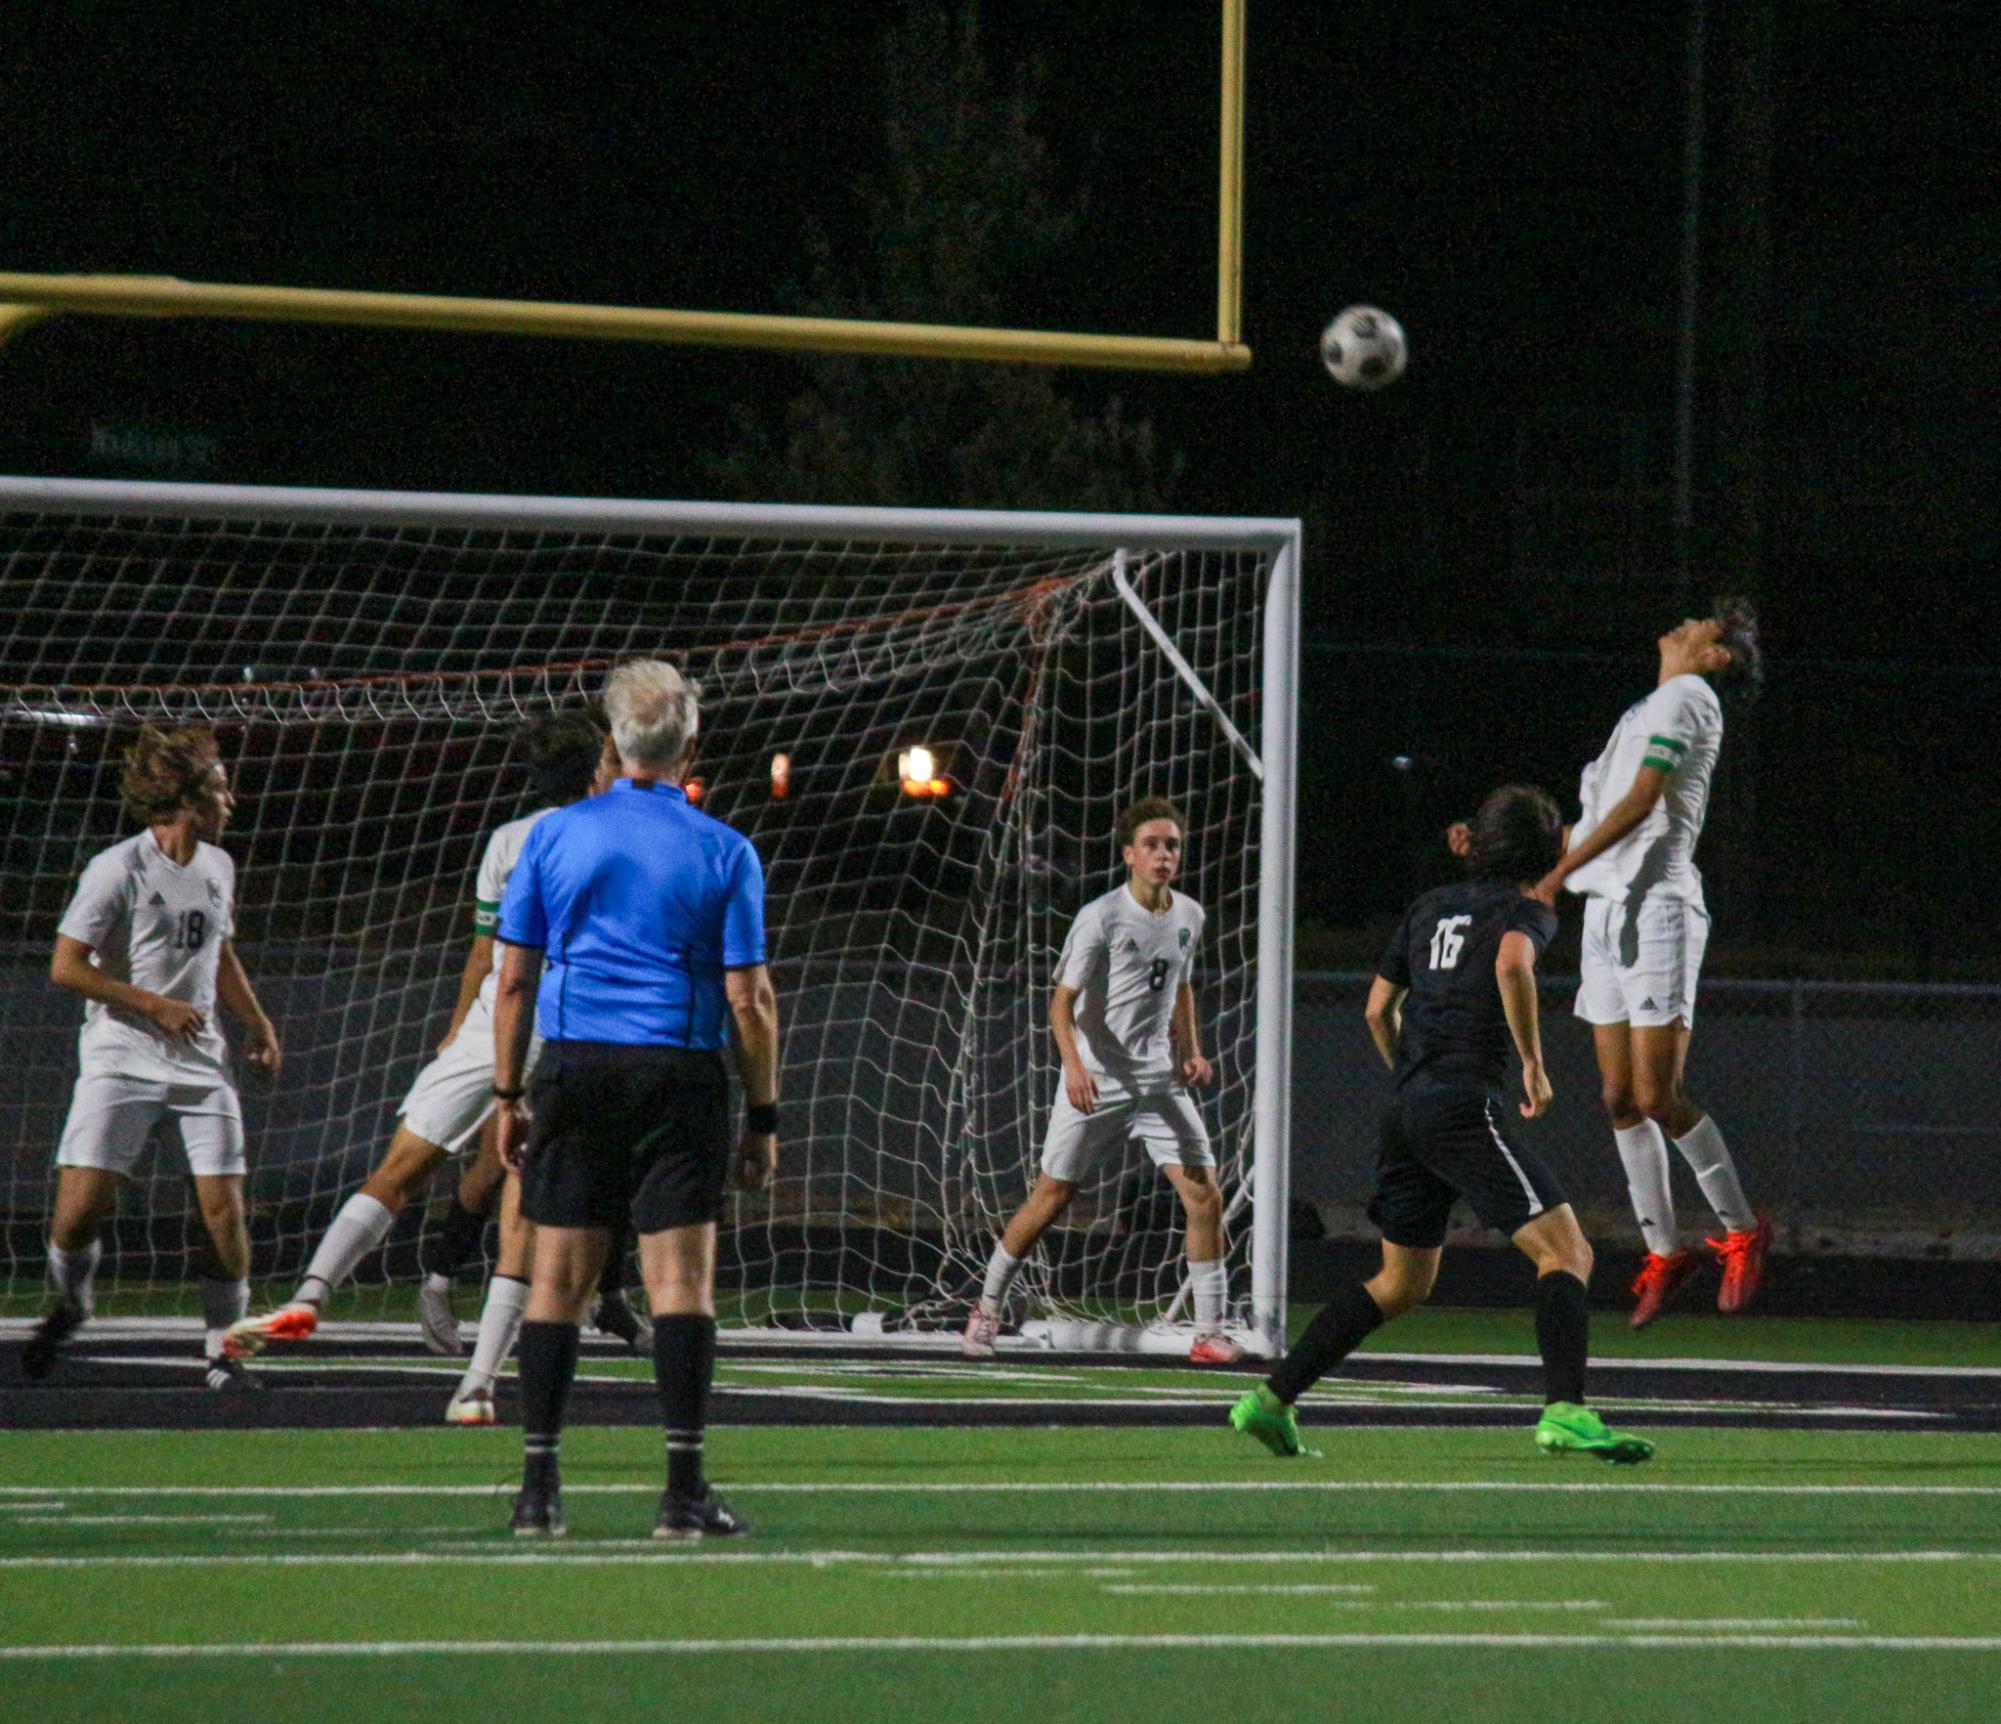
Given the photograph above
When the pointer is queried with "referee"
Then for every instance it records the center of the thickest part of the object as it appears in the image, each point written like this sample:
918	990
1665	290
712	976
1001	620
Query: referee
633	931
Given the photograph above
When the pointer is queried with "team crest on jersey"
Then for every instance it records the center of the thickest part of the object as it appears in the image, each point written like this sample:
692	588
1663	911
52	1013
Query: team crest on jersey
1187	934
215	893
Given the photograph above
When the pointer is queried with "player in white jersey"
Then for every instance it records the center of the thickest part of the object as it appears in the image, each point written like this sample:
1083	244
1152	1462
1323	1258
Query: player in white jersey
453	1095
1631	856
149	941
1123	1017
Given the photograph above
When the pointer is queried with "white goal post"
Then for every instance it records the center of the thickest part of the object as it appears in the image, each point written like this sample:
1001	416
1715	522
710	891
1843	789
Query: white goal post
365	657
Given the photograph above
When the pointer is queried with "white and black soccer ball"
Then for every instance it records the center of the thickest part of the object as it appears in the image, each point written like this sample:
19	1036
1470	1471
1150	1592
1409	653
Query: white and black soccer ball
1363	348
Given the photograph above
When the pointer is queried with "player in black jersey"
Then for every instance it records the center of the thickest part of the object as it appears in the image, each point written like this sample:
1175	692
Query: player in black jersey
1456	985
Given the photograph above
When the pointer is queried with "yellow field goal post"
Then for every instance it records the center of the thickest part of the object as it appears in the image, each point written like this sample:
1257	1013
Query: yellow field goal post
26	299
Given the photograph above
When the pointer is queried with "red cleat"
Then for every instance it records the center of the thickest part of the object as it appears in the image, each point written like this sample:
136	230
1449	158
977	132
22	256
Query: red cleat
1214	1349
1656	1283
246	1339
1742	1255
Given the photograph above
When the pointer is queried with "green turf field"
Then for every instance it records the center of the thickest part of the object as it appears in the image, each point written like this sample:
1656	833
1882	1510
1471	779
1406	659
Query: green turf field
964	1573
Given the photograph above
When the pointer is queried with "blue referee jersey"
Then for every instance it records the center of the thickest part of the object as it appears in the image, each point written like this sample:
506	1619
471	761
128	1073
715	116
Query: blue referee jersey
638	903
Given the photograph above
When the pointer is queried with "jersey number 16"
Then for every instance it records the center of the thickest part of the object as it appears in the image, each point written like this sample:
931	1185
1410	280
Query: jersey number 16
1446	939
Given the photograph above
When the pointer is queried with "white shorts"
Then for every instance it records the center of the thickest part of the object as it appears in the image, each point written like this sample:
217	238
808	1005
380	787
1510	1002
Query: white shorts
1640	962
454	1093
111	1117
1167	1122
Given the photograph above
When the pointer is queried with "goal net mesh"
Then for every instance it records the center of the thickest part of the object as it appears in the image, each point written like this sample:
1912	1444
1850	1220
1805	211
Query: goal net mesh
365	680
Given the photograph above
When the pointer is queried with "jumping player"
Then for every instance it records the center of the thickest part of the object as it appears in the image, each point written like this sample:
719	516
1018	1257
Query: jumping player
1455	985
149	941
1631	856
453	1095
1123	1016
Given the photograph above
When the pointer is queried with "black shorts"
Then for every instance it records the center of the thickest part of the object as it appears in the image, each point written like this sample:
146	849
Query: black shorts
618	1132
1440	1143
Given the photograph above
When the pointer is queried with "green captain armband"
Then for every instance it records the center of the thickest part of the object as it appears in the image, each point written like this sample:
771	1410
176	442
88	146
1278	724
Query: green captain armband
485	916
1664	754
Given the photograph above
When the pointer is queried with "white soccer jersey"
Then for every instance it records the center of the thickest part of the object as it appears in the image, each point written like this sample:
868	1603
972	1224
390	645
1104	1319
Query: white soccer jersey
160	926
1128	964
1679	729
496	864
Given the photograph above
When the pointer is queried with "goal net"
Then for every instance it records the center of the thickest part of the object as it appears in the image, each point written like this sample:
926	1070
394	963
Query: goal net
365	658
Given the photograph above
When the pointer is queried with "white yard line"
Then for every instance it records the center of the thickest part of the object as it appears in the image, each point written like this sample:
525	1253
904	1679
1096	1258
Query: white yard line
66	1520
1732	1624
625	1552
1192	1589
22	1495
793	1645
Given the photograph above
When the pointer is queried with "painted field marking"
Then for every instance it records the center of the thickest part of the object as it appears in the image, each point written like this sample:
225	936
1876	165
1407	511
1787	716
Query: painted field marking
68	1520
997	1643
1718	1624
1193	1589
618	1553
1028	1487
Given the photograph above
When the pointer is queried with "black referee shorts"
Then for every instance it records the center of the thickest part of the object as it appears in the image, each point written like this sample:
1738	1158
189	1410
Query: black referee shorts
1440	1143
620	1131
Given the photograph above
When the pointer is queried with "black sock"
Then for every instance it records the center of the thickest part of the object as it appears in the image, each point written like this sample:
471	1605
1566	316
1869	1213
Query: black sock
1562	1334
547	1358
1335	1332
684	1361
611	1282
455	1242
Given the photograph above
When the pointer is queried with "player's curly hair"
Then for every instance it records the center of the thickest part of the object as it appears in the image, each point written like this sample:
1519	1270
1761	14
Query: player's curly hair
1517	836
1742	678
168	770
561	750
1145	809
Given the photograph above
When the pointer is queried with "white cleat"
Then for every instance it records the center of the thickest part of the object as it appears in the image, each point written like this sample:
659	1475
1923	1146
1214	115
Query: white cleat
470	1407
438	1321
1216	1349
978	1340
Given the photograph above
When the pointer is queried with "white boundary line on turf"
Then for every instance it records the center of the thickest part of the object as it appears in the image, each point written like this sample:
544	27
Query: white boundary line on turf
19	1495
1002	1643
628	1552
762	1341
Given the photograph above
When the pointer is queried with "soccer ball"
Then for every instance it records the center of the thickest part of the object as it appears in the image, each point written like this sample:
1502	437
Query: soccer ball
1363	348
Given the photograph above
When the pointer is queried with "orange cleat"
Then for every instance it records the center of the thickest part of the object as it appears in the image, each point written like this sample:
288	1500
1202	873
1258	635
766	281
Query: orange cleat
1216	1349
246	1339
1657	1281
1742	1254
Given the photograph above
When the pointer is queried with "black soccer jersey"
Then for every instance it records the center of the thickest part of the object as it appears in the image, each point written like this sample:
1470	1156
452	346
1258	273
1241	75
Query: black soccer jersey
1454	1027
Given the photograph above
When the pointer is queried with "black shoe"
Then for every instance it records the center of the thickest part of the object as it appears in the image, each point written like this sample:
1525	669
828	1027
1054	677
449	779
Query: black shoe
538	1513
62	1320
614	1317
226	1376
705	1516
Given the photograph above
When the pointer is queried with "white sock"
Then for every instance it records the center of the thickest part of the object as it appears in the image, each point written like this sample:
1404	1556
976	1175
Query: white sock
1704	1151
71	1273
222	1303
1001	1271
1210	1283
1643	1149
358	1229
499	1325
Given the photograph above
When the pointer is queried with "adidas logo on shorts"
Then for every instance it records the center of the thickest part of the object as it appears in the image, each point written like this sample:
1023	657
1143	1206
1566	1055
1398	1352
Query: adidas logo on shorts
1647	1005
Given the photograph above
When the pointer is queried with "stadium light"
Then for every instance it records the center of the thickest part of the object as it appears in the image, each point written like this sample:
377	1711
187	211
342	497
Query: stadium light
781	777
694	789
917	768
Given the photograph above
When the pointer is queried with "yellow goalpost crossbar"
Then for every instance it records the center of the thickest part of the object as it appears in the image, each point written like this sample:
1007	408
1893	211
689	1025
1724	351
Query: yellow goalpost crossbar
25	299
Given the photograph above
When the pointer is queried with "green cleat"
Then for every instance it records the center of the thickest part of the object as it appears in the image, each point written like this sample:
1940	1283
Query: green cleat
1263	1415
1568	1429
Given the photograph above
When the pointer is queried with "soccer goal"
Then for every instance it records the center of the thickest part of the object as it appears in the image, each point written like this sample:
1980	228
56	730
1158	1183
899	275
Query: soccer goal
926	721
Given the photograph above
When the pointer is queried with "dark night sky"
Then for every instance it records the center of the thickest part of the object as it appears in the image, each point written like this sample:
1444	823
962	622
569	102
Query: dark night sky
1506	178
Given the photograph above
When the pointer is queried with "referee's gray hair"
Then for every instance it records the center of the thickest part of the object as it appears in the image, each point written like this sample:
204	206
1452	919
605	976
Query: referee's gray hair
654	710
